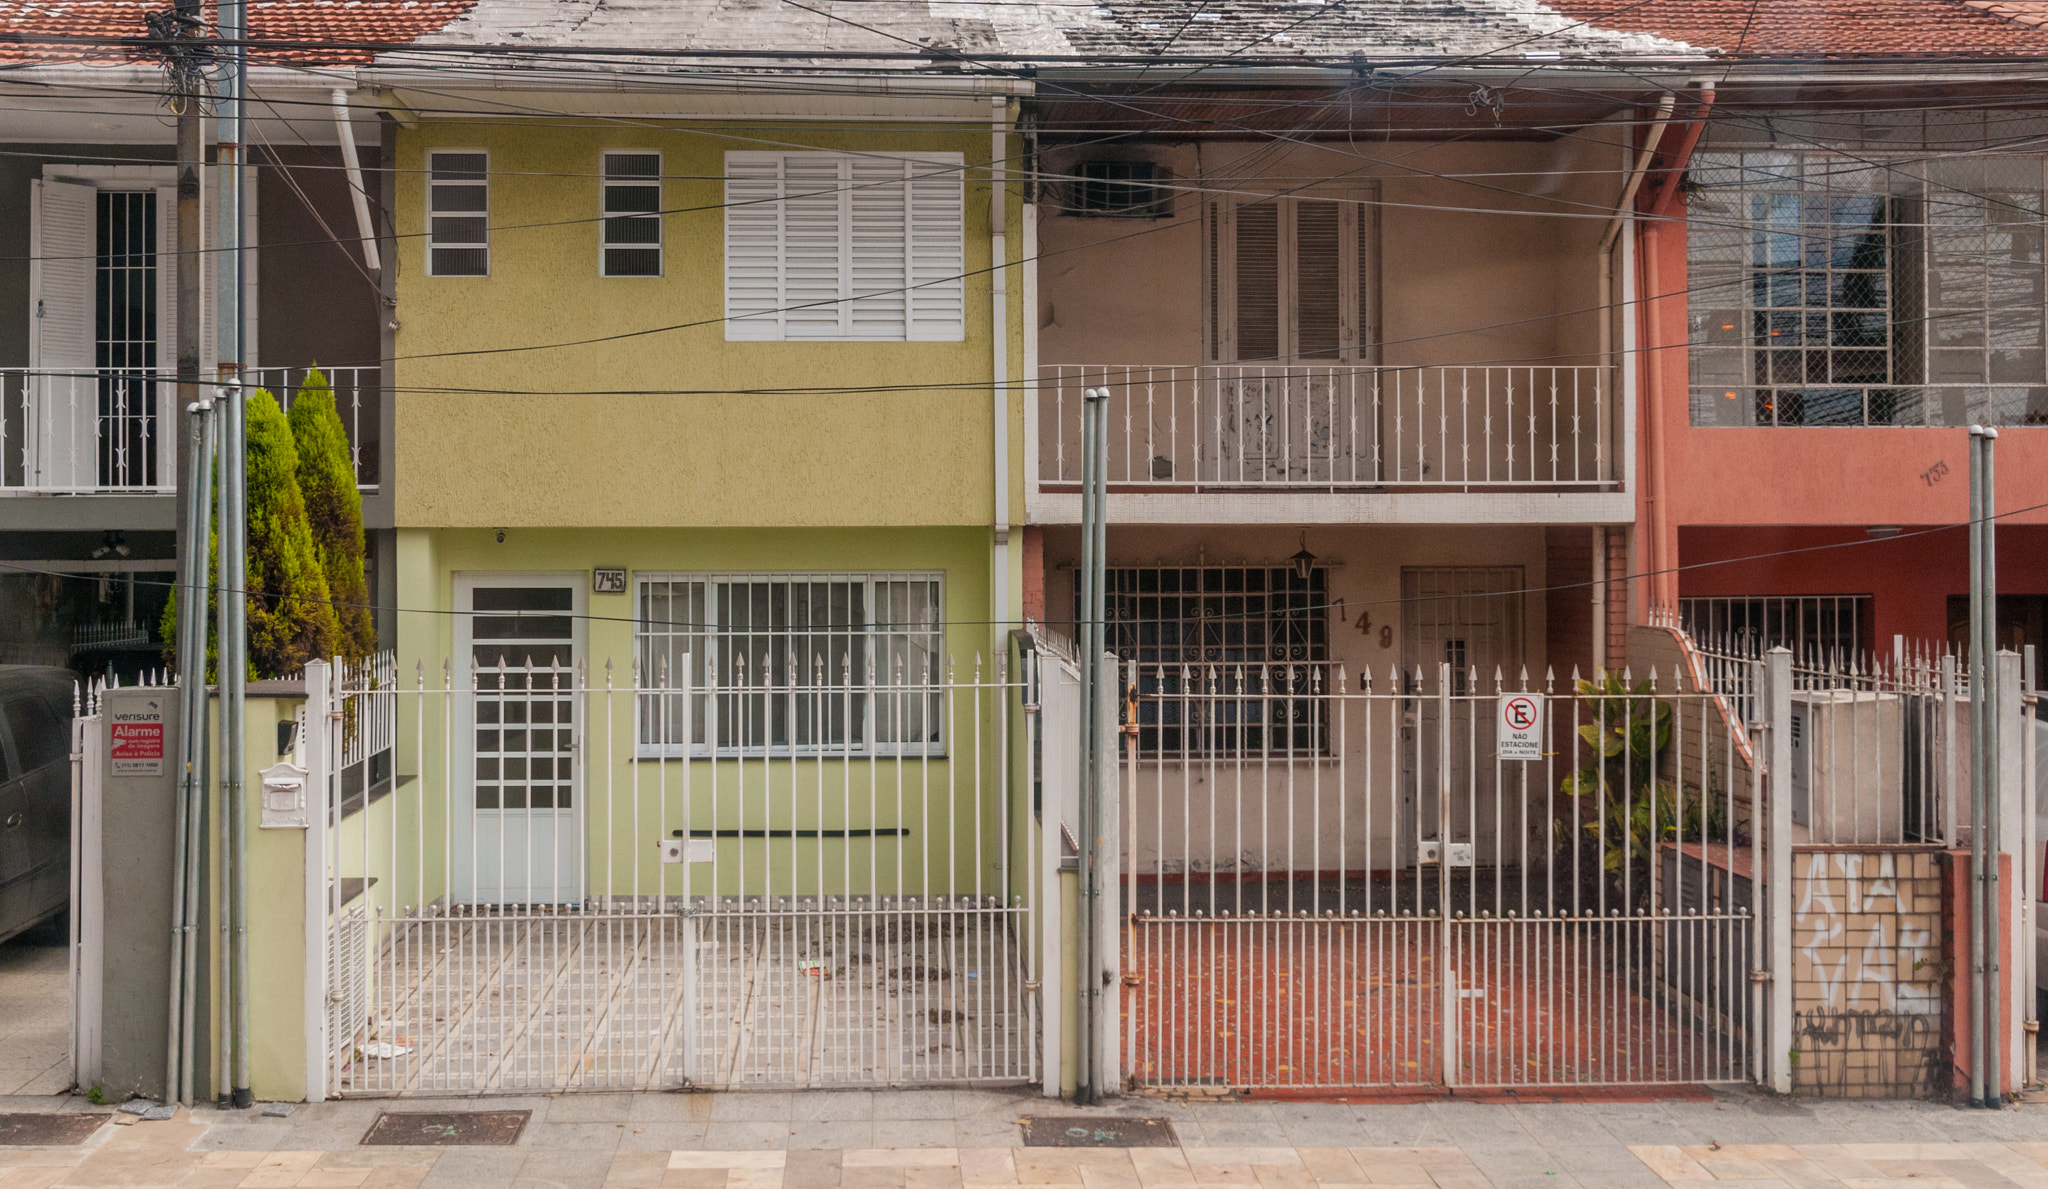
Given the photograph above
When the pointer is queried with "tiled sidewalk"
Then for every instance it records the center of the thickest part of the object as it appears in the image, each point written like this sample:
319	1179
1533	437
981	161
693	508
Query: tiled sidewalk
960	1140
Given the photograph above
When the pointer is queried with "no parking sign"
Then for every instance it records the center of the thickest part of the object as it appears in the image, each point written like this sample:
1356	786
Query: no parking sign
1521	726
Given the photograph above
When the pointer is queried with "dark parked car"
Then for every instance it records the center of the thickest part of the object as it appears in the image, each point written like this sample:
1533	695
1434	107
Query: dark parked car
35	795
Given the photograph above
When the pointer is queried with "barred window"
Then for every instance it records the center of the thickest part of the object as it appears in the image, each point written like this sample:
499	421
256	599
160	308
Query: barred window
458	215
1817	628
1830	290
1230	660
814	664
632	215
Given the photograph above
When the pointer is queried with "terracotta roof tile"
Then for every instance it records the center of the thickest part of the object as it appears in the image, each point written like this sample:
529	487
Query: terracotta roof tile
343	21
1831	28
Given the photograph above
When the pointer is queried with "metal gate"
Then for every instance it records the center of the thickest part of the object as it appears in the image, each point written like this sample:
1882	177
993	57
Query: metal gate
792	876
1583	918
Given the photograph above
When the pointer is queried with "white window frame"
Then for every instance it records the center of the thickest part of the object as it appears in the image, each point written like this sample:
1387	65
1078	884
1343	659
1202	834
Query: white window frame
605	184
484	245
1358	277
773	295
656	677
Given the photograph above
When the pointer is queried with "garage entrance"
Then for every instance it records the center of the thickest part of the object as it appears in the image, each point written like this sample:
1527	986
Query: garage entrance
1581	918
759	873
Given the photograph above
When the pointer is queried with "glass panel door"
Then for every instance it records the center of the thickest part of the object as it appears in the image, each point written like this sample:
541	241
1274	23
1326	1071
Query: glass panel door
521	723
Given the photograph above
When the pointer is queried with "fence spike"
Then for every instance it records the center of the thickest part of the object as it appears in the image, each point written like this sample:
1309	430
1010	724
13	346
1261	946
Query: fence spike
1340	679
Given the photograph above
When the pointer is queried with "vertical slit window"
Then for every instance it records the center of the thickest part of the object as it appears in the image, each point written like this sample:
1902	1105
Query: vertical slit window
632	215
458	215
125	337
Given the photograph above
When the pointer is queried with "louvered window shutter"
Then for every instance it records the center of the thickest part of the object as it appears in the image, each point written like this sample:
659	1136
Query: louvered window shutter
936	232
61	306
815	246
833	246
1287	279
1258	282
1318	281
878	262
753	246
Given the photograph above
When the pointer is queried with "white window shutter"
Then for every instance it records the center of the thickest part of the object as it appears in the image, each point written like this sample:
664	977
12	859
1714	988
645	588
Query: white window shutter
879	210
61	301
61	434
753	247
816	245
937	233
844	247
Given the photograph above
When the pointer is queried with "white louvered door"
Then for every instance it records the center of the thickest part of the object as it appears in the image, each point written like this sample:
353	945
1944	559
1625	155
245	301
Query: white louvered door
844	247
60	442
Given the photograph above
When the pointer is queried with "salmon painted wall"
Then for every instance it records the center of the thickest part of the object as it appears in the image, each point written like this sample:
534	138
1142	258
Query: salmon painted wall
1911	578
1846	476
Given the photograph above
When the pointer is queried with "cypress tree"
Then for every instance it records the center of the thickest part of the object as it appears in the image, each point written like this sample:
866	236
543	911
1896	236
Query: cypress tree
334	508
290	618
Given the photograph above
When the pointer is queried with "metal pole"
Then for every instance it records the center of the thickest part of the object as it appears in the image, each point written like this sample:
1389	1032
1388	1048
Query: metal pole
1105	744
195	730
189	676
1979	686
1084	630
1994	1020
230	273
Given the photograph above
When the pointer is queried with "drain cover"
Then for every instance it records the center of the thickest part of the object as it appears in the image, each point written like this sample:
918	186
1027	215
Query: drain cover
47	1131
1081	1131
448	1129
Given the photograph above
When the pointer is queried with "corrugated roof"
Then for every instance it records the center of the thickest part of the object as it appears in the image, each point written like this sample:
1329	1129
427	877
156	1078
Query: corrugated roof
1832	28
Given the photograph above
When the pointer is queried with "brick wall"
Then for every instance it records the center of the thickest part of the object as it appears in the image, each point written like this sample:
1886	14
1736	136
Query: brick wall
1568	604
1617	595
1869	982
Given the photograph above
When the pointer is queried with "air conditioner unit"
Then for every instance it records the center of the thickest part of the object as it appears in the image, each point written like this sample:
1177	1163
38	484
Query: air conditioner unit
1850	769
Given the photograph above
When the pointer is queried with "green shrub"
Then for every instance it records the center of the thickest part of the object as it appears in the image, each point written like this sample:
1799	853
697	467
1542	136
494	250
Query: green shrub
334	508
290	618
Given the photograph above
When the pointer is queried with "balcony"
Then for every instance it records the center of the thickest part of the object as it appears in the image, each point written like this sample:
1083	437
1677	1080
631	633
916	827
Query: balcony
114	433
1337	429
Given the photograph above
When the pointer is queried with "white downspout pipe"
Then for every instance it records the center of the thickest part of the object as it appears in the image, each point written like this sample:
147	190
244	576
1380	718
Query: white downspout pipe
1636	174
999	352
353	166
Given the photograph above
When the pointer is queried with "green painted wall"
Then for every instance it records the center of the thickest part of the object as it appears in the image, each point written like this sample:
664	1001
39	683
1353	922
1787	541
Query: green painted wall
491	457
960	833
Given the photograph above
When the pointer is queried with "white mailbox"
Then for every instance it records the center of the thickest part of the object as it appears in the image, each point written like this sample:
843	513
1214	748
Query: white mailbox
284	797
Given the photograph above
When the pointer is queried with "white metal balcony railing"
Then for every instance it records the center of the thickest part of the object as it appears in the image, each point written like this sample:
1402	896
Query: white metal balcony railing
1305	427
113	432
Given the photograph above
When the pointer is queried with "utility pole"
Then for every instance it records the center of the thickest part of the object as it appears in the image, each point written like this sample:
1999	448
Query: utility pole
181	32
229	271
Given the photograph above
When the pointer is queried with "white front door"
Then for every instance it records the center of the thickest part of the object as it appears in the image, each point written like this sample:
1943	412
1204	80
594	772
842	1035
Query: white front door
521	840
1469	618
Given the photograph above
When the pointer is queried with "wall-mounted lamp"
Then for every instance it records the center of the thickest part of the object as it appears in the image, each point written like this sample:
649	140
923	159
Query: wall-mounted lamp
1304	562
